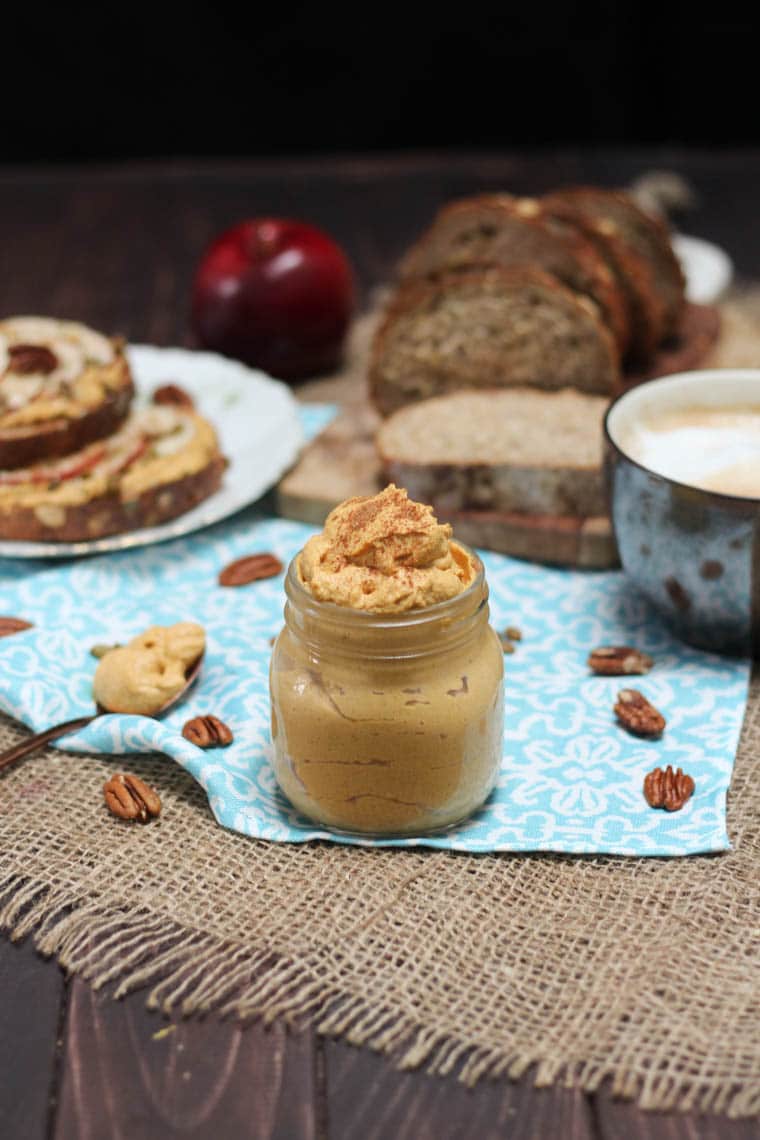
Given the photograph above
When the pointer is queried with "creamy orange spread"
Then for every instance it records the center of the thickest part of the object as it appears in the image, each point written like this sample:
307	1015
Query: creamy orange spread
385	554
80	369
143	676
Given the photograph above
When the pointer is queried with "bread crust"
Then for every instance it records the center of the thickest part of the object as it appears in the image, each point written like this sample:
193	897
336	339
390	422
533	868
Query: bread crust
554	539
24	445
670	280
550	244
109	514
417	295
653	279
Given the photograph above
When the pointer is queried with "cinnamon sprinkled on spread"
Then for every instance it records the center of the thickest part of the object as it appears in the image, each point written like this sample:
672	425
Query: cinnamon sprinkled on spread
386	553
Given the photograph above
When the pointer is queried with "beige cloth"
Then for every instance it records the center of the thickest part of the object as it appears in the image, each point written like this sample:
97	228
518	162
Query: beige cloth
641	970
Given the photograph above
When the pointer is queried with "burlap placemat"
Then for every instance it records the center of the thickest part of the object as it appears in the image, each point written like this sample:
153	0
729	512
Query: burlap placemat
643	971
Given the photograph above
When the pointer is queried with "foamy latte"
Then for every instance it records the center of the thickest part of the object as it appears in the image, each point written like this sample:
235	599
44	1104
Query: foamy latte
716	448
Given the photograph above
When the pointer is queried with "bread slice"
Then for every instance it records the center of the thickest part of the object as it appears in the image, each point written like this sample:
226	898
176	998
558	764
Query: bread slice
639	247
488	328
62	385
162	462
498	229
515	449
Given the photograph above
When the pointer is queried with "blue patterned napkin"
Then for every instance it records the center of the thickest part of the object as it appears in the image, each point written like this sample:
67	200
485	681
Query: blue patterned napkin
571	779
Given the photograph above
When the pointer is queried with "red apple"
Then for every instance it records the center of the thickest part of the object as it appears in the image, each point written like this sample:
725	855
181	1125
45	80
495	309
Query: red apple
277	294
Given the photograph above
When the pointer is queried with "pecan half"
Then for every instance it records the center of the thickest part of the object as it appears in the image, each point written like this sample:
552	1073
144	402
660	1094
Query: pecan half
207	732
129	797
618	660
668	789
29	359
636	714
173	395
250	568
9	625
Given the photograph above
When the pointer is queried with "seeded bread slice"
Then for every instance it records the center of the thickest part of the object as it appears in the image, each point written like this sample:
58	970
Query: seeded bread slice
639	245
489	328
498	229
515	449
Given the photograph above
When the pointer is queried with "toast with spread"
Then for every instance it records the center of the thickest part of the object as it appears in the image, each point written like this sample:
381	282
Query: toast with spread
162	461
62	386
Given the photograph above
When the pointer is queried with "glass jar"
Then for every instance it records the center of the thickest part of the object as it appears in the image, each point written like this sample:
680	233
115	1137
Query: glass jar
387	724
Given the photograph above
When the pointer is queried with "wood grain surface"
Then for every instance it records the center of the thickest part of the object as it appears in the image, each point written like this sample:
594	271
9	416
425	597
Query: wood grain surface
116	247
32	1002
128	1073
116	1071
410	1106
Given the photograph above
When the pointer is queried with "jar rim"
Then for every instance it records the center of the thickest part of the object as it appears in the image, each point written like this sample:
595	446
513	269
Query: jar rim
450	607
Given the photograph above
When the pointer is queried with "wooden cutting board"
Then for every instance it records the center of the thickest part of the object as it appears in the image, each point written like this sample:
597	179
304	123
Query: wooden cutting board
342	461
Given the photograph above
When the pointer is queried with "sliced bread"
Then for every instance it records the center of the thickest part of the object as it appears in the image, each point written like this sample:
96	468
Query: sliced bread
497	229
515	449
489	328
638	246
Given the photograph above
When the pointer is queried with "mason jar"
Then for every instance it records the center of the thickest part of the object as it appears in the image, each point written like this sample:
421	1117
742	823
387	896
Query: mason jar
387	724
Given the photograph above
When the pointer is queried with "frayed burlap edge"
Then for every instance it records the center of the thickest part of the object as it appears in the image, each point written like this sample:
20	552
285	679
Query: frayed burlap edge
195	974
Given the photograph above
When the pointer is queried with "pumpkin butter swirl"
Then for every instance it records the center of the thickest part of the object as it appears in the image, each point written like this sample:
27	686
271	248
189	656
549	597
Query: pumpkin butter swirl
384	554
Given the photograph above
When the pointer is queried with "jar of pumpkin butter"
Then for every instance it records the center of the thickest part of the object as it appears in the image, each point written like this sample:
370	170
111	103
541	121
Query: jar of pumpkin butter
387	680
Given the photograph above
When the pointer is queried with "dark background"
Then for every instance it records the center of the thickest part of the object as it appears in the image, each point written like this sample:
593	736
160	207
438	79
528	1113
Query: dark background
212	80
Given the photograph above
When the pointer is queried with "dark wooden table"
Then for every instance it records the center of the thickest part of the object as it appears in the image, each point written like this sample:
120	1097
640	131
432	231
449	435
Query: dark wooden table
116	248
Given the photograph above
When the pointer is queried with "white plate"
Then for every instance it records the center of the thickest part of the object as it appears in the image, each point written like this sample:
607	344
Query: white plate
708	269
259	431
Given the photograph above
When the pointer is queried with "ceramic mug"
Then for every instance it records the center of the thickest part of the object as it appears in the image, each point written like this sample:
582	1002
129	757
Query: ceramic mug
694	553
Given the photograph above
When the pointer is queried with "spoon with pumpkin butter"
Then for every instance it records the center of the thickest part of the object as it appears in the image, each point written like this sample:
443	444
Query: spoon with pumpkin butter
146	677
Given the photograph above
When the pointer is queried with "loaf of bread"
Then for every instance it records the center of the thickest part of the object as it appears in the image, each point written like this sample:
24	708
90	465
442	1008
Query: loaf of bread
639	251
62	386
489	328
505	450
498	229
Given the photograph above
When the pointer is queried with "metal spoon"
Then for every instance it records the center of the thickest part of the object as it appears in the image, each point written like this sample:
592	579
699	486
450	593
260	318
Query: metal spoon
25	747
